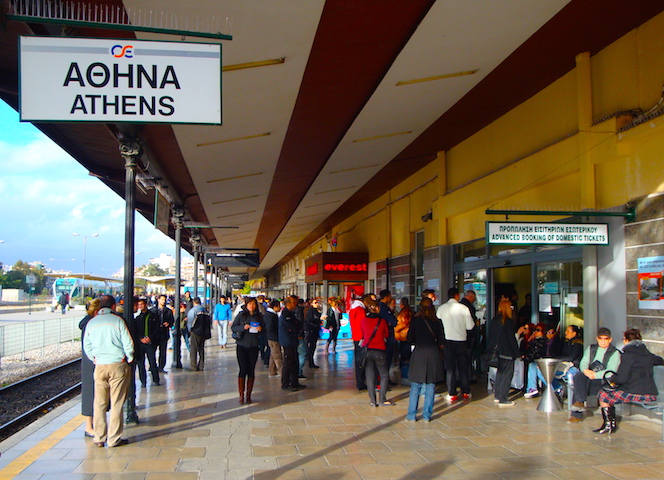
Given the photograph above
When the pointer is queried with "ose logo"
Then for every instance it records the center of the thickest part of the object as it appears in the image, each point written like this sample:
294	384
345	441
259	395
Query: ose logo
118	51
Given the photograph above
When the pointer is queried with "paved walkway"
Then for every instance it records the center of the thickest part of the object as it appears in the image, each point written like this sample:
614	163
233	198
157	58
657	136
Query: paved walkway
193	428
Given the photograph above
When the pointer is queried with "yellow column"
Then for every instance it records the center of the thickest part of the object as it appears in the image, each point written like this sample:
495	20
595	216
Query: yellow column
585	120
438	207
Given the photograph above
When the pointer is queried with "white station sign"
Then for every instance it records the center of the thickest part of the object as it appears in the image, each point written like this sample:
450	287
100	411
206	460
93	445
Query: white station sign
518	233
100	80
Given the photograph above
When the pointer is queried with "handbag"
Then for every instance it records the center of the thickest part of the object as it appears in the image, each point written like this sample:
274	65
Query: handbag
493	359
238	335
607	382
362	351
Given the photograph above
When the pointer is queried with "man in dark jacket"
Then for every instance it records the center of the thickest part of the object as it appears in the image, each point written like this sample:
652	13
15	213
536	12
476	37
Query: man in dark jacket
166	321
387	315
469	297
271	319
147	330
289	330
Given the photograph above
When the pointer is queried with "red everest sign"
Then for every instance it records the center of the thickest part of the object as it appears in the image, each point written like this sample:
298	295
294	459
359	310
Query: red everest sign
338	267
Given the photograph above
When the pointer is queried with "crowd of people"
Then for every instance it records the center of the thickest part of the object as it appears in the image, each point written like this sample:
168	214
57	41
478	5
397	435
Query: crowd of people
428	347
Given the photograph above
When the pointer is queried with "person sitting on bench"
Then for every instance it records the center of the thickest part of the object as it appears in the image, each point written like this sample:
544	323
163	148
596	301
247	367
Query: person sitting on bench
597	359
634	380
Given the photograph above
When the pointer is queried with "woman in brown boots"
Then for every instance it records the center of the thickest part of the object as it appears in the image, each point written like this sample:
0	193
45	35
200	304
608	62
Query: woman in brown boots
246	327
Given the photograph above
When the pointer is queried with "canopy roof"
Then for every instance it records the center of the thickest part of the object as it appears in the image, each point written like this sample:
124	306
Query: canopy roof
308	141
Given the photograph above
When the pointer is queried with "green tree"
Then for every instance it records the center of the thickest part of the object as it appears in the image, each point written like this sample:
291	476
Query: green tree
15	278
153	270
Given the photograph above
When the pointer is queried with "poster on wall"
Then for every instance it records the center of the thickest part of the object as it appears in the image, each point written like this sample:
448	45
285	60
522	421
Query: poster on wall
650	283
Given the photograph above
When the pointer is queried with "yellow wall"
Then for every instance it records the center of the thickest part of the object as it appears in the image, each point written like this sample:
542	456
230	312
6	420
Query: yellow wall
542	155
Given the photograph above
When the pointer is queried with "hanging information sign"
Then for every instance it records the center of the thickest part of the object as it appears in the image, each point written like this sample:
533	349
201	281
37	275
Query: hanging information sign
101	80
521	233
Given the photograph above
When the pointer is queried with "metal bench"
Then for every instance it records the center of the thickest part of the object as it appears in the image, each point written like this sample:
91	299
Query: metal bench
658	406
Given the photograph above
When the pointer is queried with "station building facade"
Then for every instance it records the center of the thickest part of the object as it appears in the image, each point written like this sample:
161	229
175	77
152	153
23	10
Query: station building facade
592	142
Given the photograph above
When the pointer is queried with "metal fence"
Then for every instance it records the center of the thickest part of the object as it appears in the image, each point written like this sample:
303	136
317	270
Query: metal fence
19	338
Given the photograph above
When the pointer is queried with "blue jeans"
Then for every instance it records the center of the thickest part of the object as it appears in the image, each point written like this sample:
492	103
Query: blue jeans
427	408
301	353
533	374
222	333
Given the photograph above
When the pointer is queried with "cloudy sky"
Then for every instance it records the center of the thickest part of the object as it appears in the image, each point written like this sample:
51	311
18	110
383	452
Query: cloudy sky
46	195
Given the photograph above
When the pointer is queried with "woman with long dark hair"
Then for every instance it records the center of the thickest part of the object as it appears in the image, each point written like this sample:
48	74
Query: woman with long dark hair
426	369
248	324
502	339
374	336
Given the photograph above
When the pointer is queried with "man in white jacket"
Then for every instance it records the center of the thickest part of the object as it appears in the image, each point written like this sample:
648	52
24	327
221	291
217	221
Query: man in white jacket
457	321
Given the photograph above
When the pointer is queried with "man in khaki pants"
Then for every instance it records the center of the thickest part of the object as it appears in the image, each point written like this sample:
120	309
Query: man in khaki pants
109	345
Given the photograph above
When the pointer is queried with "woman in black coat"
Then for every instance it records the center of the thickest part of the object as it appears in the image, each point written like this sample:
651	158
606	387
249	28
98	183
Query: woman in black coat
426	368
248	323
88	372
502	339
634	380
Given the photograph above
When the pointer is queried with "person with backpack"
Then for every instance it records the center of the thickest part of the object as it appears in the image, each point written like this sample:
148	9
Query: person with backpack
597	359
200	326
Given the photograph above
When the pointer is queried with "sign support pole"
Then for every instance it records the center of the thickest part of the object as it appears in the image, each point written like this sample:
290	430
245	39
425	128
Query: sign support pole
130	150
205	282
178	215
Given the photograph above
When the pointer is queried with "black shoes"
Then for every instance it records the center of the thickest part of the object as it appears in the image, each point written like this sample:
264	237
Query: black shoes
123	441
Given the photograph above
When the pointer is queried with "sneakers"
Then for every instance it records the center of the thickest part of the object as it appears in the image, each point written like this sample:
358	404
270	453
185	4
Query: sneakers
574	419
452	398
466	396
508	403
578	407
531	394
496	400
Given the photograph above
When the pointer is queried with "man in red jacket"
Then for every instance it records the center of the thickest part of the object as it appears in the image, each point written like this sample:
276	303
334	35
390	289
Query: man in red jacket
357	313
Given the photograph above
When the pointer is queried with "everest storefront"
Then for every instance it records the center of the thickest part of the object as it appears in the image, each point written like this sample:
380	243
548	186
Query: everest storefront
337	274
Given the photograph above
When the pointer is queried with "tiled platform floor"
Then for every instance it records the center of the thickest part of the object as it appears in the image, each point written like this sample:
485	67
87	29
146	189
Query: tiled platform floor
193	427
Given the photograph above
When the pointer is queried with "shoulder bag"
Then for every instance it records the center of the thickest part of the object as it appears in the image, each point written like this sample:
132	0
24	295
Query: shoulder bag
362	351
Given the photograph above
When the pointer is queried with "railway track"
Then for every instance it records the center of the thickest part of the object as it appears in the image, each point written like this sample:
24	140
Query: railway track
25	401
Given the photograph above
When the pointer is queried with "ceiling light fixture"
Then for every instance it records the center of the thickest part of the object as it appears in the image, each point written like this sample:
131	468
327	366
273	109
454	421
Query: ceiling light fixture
336	190
234	178
378	137
439	77
237	236
236	214
248	137
261	63
245	224
321	204
235	199
354	168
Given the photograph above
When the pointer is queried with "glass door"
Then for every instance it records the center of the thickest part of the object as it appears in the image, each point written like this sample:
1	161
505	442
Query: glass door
560	294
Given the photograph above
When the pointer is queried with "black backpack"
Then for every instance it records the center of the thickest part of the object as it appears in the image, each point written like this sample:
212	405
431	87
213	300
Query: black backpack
202	325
